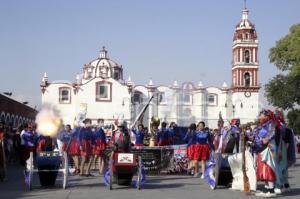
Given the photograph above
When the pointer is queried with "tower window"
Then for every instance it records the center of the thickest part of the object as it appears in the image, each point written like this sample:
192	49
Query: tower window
247	56
247	36
247	79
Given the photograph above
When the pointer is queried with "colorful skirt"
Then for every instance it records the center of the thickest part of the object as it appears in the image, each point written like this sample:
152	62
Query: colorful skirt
74	148
201	152
264	172
86	148
190	151
99	147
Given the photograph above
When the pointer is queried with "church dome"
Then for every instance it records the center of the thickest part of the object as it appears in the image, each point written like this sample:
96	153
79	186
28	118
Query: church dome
245	29
103	67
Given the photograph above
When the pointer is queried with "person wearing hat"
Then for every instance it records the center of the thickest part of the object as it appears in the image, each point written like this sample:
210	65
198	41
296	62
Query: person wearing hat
121	138
86	140
100	145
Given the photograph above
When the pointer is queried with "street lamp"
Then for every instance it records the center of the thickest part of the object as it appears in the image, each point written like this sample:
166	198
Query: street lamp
234	106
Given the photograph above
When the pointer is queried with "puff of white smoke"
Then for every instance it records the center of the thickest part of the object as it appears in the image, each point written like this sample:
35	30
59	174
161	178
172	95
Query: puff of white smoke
48	121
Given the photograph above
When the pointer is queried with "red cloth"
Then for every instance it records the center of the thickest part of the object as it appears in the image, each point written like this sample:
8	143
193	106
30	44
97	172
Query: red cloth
190	151
170	141
138	145
41	145
163	143
74	148
99	147
264	172
201	152
86	148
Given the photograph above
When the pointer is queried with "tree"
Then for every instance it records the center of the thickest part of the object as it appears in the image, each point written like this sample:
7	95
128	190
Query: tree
293	117
283	90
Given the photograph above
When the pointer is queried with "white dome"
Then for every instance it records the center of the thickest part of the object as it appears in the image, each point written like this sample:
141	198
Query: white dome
103	67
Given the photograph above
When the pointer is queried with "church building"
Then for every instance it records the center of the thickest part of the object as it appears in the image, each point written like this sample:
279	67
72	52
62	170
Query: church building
101	91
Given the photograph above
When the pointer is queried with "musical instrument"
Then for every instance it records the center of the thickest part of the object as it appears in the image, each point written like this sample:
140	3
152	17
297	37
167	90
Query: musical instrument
155	122
245	177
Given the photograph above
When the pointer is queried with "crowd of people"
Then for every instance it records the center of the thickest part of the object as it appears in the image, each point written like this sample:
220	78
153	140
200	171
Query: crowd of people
87	144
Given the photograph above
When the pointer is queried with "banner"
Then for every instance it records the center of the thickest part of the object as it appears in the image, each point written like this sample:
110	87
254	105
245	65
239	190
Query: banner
179	162
155	159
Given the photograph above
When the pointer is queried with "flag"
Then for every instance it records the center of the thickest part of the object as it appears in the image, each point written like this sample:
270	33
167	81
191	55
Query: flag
209	172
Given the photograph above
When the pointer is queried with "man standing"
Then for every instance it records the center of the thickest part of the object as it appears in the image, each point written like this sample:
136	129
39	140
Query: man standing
28	138
121	138
86	140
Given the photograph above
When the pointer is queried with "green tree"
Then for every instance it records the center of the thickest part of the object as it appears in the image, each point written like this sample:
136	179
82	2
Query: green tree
283	90
293	117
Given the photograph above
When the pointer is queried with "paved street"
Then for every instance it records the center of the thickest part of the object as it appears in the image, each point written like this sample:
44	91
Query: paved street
166	186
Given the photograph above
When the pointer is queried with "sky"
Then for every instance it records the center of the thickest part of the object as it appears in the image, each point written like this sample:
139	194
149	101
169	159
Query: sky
162	40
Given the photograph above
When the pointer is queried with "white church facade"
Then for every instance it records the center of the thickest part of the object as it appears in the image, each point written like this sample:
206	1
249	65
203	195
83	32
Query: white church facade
101	91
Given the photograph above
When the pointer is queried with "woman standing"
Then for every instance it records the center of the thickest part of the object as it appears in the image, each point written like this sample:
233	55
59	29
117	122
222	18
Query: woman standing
190	139
74	149
203	146
100	145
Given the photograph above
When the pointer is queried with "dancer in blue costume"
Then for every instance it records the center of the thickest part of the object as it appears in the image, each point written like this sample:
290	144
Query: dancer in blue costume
100	145
87	141
139	136
163	135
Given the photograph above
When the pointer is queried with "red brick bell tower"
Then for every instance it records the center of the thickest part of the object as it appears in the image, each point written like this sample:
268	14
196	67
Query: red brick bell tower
245	62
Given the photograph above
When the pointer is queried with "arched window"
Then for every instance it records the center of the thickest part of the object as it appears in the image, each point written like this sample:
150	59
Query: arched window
137	97
247	56
247	36
116	75
7	120
16	121
247	79
187	98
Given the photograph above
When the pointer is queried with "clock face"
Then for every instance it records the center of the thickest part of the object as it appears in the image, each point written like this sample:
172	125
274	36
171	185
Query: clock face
247	94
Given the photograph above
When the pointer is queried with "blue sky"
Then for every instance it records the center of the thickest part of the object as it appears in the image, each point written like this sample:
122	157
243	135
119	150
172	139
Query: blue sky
165	40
